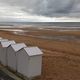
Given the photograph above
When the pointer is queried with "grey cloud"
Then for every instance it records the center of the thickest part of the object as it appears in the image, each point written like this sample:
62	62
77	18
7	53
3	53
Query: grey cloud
50	8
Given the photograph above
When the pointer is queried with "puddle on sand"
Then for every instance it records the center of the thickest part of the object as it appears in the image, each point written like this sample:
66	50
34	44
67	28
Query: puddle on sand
23	32
62	38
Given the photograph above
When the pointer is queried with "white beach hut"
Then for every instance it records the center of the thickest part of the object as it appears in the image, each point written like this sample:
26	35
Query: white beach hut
11	57
1	40
4	53
29	61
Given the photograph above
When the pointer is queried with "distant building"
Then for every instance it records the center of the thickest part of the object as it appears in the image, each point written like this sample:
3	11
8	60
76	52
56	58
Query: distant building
12	58
3	54
29	61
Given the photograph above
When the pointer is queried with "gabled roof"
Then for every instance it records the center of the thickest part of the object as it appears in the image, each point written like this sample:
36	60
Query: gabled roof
32	51
7	43
3	40
0	37
18	46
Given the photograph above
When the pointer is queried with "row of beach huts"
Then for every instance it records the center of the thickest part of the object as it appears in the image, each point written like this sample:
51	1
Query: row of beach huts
21	58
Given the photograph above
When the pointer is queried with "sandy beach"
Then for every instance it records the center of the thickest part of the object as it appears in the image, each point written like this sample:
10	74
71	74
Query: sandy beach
61	58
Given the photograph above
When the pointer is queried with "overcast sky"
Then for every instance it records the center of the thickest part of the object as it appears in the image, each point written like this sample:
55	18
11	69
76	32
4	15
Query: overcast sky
39	10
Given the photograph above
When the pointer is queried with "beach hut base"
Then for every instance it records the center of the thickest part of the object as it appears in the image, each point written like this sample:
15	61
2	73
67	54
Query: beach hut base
24	77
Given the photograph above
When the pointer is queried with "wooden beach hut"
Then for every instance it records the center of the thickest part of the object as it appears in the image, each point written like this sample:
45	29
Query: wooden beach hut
29	61
1	40
4	53
11	57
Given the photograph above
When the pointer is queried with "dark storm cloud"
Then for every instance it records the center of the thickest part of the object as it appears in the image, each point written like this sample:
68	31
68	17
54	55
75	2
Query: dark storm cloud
50	8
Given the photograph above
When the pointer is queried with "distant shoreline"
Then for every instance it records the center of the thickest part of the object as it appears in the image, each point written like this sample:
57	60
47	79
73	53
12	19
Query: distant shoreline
41	25
44	24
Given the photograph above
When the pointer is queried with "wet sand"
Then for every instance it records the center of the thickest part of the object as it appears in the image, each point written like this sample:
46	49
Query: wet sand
61	58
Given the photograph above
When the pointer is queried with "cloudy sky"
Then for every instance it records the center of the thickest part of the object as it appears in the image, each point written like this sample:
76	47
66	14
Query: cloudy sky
40	10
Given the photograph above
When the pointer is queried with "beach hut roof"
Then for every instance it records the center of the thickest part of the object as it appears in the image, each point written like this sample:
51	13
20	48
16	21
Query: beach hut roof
0	37
3	40
7	43
18	46
32	51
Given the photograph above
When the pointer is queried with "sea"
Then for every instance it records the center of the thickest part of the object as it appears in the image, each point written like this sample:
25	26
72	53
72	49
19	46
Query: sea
42	24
